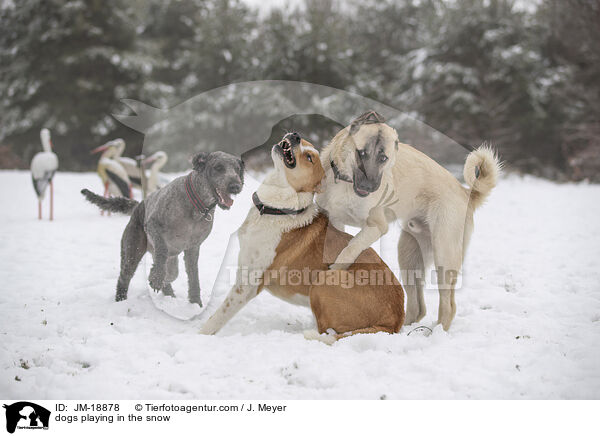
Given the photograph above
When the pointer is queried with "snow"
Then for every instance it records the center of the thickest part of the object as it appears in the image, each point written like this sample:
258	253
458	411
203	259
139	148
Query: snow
527	326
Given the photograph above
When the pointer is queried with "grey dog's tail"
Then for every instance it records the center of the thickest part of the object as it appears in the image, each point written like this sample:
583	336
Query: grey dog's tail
114	204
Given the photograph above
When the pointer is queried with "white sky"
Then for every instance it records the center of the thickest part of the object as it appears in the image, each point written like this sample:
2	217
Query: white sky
265	5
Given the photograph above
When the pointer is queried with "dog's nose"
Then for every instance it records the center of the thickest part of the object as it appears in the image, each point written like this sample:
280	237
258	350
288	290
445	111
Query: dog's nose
234	188
368	185
295	138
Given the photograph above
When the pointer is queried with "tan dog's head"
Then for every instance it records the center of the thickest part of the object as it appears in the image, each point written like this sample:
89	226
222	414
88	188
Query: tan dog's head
299	161
369	147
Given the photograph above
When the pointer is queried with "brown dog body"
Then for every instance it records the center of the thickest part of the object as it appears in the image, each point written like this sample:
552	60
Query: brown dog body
366	298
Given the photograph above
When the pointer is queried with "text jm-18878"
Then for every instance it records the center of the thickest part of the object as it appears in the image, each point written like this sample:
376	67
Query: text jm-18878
97	407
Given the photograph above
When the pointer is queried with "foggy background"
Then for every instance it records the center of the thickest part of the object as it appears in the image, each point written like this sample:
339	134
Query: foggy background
523	75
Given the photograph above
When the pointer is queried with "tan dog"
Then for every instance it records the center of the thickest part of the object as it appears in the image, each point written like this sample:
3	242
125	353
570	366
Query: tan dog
284	245
372	179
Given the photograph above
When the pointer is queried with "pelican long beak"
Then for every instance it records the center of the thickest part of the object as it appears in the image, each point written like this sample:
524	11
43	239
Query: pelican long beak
99	149
150	160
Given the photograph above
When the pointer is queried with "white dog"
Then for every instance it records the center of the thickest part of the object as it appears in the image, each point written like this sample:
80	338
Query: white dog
286	200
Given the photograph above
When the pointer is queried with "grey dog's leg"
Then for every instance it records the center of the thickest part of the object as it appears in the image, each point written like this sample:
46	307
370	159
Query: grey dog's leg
171	275
172	269
168	291
158	271
412	270
133	247
191	268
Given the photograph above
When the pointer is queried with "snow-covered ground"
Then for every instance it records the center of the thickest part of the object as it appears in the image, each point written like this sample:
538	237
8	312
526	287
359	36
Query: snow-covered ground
527	326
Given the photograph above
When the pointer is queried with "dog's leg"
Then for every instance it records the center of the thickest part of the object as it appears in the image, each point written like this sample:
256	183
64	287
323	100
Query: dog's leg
237	298
172	269
133	247
158	271
191	268
170	276
168	291
446	308
447	253
412	270
376	227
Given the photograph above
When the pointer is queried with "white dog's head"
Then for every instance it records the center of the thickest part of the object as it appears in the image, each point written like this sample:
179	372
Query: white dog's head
299	161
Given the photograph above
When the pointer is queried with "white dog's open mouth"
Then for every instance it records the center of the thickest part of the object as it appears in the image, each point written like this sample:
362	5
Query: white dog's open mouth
224	199
287	153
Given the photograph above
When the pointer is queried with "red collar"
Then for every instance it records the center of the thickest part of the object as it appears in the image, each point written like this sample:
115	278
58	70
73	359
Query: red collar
195	198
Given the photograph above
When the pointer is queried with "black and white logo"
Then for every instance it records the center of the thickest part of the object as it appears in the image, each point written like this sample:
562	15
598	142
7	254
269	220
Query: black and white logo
26	415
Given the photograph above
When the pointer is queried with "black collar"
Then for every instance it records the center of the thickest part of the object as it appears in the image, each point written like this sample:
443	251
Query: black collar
337	175
267	210
195	198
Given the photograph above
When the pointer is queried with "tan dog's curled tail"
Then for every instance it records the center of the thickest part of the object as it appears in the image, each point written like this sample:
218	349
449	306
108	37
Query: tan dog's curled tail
481	172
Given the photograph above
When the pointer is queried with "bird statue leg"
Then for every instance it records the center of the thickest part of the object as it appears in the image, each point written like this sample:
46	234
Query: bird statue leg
51	200
39	209
105	195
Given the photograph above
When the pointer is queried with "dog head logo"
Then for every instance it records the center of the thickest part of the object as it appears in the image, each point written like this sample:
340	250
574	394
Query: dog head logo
26	415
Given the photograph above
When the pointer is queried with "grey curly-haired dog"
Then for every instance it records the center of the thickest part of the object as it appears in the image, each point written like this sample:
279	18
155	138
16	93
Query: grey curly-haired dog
176	218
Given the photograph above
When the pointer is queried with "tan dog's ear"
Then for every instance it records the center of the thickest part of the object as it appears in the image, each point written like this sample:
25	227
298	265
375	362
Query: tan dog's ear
370	117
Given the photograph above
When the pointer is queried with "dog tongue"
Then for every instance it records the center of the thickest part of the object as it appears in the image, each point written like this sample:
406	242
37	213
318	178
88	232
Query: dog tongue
225	199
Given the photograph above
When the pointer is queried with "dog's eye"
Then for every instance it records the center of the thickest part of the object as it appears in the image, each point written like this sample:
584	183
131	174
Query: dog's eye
219	168
309	157
362	153
382	158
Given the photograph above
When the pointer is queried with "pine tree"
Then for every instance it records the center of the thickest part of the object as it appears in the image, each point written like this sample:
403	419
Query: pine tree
485	79
65	64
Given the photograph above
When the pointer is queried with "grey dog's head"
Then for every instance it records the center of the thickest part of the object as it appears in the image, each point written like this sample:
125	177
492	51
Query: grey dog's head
374	145
224	174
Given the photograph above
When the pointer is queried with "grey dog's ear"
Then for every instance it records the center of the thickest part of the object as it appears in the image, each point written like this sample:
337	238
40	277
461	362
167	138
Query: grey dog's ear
242	168
199	160
370	117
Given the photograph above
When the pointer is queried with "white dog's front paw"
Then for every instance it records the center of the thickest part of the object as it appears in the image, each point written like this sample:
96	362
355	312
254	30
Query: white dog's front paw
346	258
339	266
326	338
207	330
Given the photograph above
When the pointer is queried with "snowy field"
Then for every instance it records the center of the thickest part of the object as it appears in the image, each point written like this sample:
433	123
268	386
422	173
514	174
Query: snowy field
527	326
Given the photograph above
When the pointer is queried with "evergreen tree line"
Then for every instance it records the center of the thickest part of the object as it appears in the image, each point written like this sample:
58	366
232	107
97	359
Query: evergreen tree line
526	79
